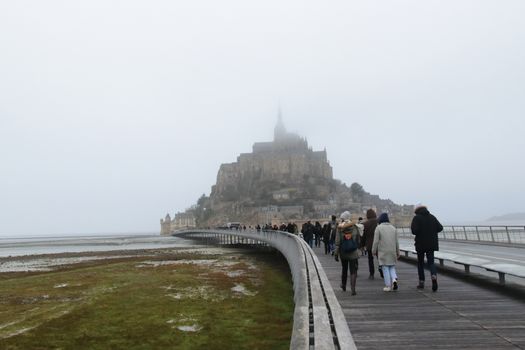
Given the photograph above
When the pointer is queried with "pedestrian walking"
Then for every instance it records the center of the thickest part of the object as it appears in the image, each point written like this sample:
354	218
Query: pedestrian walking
346	248
308	233
425	228
326	238
361	228
369	227
333	232
386	248
318	233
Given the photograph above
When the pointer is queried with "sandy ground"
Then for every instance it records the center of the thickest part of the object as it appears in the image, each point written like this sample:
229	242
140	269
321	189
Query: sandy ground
50	262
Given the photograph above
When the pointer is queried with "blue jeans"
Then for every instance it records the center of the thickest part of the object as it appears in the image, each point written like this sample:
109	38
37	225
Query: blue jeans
421	264
389	274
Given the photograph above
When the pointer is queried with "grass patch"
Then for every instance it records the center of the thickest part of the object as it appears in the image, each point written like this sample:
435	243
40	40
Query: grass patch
225	301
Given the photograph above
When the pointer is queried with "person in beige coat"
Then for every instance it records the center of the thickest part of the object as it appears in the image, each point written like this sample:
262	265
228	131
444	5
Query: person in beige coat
386	247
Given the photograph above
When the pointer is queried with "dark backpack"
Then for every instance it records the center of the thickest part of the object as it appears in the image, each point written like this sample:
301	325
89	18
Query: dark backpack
349	243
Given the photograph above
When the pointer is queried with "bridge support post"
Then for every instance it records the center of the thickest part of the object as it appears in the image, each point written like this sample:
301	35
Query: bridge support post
508	234
501	278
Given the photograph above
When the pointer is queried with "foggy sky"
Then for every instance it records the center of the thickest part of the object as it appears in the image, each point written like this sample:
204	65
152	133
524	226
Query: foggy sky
113	113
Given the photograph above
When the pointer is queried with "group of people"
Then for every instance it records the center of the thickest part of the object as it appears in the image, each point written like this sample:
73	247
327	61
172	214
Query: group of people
313	234
379	238
373	237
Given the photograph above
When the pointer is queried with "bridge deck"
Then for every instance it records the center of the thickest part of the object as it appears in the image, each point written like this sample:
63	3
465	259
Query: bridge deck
460	315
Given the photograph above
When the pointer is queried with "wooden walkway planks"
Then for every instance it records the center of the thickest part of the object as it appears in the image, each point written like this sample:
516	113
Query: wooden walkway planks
459	315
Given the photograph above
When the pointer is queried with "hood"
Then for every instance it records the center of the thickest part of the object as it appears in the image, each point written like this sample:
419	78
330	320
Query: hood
421	210
371	214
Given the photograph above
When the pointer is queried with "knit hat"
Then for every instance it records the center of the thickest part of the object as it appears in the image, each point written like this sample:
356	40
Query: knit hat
383	218
346	215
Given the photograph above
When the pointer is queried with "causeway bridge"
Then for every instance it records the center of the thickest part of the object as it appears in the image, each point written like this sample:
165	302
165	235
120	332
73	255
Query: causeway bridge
476	307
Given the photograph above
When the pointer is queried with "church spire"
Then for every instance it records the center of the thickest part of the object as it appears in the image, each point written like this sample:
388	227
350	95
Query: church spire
280	130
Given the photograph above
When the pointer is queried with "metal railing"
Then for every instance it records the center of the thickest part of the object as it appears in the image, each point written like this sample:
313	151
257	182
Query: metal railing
319	322
489	234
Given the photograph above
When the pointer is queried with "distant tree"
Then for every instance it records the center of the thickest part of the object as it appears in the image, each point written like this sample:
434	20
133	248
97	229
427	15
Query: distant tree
202	200
202	210
357	191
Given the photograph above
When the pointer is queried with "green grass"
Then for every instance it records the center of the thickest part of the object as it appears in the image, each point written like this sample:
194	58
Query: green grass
120	304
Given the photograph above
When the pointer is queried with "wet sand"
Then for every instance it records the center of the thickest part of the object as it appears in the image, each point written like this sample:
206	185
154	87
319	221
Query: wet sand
52	262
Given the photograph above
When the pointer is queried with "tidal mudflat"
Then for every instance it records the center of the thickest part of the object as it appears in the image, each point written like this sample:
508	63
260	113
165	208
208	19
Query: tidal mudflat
209	298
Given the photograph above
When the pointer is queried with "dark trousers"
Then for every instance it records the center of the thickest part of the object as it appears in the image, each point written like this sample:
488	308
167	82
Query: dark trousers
421	264
370	262
352	264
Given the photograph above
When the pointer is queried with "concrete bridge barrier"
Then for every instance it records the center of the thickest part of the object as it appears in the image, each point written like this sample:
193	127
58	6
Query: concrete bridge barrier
319	322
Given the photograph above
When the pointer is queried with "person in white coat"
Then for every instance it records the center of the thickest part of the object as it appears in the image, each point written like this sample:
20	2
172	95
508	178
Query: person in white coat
386	248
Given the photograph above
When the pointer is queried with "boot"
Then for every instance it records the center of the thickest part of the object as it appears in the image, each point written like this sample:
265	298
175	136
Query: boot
343	284
421	285
353	279
434	283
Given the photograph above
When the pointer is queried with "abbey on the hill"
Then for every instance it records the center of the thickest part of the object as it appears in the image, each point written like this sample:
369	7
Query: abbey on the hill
280	181
282	171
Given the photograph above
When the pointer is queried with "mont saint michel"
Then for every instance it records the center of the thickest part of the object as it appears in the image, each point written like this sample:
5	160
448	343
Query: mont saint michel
280	181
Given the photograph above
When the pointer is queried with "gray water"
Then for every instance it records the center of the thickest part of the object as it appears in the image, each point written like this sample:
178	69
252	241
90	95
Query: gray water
76	244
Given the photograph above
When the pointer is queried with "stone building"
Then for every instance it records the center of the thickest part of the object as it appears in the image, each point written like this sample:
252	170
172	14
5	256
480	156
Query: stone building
180	221
277	170
165	225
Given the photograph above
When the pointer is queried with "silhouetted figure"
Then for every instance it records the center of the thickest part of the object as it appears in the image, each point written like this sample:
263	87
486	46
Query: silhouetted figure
425	228
326	238
369	227
308	233
317	233
333	232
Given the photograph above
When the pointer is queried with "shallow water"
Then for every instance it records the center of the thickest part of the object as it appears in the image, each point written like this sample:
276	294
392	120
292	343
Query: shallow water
77	244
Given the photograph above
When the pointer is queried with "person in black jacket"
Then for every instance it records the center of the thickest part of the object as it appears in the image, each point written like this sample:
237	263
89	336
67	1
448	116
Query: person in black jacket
326	237
425	228
368	238
308	233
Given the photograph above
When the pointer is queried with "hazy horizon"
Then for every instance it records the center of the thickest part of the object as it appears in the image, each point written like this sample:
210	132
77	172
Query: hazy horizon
114	114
